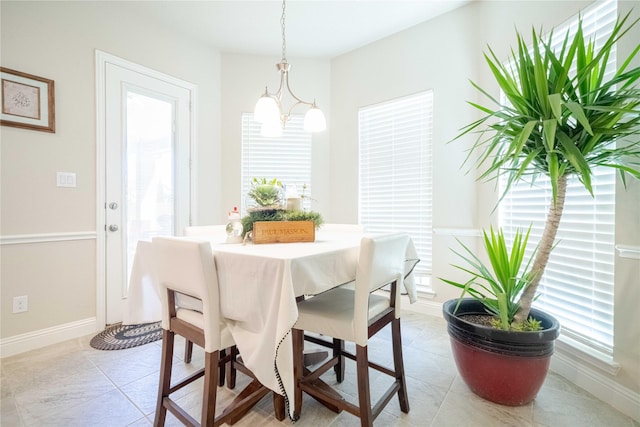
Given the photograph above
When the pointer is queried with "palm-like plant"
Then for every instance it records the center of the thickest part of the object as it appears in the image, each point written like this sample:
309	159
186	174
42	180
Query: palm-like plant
498	284
562	119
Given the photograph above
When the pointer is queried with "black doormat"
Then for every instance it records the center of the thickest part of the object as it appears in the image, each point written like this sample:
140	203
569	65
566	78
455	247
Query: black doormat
119	337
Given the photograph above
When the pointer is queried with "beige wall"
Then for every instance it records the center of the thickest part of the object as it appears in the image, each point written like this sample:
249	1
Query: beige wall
59	279
627	271
443	55
57	40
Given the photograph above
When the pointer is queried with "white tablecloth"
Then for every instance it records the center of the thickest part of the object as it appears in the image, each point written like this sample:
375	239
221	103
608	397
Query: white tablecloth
258	289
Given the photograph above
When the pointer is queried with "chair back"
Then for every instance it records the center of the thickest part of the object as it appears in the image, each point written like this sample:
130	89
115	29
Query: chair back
206	230
381	262
187	266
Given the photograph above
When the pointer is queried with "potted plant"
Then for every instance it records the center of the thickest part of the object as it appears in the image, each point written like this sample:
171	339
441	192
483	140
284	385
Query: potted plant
266	194
488	354
279	215
561	119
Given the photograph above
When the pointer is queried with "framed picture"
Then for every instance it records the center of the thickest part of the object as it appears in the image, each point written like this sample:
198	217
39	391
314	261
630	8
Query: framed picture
27	101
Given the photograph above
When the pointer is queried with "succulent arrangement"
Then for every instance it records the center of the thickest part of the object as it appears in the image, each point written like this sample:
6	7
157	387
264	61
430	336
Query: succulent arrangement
268	198
266	194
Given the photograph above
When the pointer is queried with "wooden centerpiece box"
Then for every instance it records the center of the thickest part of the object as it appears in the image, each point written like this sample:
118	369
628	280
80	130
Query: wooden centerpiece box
283	231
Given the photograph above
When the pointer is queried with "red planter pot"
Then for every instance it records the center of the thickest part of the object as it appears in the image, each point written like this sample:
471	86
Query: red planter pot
501	366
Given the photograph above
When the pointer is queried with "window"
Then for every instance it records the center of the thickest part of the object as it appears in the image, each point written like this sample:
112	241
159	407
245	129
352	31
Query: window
395	171
287	158
578	283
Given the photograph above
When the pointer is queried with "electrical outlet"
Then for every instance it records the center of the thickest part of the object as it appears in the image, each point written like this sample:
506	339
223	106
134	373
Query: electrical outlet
20	304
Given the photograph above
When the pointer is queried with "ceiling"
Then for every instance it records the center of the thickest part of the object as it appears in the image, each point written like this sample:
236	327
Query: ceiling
314	28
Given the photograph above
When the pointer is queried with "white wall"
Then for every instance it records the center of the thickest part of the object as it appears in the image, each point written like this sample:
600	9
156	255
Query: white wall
442	55
57	40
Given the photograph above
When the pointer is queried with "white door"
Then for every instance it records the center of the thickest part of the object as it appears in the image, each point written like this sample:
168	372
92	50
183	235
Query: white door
147	170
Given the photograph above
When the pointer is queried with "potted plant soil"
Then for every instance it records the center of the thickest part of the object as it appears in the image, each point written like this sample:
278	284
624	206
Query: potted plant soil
561	119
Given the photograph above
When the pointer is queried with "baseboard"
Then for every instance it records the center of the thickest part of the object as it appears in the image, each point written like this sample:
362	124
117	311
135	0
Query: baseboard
604	388
37	339
423	305
573	369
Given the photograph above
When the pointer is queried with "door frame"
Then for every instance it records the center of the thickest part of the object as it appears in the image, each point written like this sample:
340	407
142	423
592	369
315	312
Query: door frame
101	59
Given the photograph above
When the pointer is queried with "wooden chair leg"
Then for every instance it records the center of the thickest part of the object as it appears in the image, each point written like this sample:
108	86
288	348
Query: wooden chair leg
231	370
188	351
210	388
298	369
221	368
364	393
338	351
165	377
403	398
278	406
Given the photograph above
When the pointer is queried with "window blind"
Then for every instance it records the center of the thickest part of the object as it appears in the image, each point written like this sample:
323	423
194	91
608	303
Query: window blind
287	158
578	283
395	170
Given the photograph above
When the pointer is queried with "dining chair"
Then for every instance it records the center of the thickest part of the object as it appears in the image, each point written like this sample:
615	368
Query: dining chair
186	267
203	231
356	315
336	345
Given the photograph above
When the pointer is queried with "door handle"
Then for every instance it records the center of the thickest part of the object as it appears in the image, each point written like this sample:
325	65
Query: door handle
113	206
113	227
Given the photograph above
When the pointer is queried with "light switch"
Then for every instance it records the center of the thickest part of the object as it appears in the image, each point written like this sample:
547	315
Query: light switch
66	179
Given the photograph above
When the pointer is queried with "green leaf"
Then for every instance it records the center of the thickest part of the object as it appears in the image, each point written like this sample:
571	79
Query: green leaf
577	160
578	113
555	102
553	174
523	136
549	132
503	311
499	283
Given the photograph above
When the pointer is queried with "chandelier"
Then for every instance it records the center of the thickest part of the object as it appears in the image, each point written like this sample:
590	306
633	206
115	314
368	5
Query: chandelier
269	110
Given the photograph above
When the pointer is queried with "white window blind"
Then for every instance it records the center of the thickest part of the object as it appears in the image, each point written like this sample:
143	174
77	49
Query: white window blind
578	283
287	158
395	170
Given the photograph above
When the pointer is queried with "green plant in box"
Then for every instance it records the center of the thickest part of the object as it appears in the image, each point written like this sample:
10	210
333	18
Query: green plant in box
279	215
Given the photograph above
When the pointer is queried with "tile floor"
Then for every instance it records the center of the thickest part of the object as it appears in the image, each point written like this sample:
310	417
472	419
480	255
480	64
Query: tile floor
72	384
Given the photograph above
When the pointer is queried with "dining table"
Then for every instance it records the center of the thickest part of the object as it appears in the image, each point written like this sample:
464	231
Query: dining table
259	286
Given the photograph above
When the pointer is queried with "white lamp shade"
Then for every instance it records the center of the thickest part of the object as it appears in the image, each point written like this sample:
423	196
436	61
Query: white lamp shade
266	110
271	129
314	120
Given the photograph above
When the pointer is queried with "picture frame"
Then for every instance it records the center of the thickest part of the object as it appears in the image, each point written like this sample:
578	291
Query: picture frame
27	101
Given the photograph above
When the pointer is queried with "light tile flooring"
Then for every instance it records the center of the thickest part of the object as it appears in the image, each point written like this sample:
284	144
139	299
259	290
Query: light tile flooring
72	384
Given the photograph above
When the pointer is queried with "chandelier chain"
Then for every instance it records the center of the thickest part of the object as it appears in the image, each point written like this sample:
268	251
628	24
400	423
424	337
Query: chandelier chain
284	40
